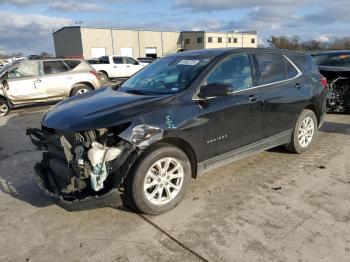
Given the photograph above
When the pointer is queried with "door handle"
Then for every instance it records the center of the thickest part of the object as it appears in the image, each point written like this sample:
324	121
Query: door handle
127	66
69	77
252	98
114	66
297	86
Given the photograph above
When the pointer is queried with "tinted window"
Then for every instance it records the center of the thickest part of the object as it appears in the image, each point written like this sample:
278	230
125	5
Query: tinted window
24	70
117	60
271	68
304	63
104	60
341	60
129	60
54	67
72	63
234	71
291	71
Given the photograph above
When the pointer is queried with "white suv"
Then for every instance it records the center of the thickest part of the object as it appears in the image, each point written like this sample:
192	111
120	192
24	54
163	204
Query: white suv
33	81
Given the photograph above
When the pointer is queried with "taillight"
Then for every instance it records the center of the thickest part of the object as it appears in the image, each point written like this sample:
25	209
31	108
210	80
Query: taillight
324	82
95	74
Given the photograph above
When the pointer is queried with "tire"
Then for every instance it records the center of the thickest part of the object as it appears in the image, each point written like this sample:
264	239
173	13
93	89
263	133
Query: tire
103	78
304	132
4	107
147	179
80	89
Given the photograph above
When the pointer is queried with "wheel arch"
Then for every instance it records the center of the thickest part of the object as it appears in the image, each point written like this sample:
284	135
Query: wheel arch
103	71
81	83
314	108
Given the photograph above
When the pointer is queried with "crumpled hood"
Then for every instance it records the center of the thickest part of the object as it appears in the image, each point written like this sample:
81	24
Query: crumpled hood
100	109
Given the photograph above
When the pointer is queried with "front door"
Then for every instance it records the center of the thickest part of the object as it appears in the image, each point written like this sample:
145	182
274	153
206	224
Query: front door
132	66
118	67
23	81
233	121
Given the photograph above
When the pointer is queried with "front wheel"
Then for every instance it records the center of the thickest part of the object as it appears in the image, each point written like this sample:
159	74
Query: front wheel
4	107
159	180
304	132
103	78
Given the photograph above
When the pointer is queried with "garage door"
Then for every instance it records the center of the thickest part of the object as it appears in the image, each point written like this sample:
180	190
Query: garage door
151	52
126	51
97	52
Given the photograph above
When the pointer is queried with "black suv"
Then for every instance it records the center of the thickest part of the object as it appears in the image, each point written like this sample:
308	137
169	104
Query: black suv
178	117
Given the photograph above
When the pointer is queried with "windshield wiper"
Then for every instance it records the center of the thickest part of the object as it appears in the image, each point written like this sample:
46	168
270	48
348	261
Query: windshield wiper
134	91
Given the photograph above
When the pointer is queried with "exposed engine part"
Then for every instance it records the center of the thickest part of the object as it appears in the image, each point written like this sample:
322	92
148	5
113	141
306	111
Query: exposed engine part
80	165
338	78
98	156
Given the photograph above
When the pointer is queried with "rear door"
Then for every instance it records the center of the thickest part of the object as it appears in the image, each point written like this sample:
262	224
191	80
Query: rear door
56	79
23	80
132	66
284	92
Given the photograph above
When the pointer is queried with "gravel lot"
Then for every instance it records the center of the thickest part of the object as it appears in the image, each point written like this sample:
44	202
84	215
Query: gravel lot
273	206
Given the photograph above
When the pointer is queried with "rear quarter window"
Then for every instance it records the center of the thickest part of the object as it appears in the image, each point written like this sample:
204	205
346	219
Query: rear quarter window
72	63
304	63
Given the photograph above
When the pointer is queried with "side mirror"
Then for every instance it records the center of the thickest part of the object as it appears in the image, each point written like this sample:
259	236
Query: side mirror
136	63
215	90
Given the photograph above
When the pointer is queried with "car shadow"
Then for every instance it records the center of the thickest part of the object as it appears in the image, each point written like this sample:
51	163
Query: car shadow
336	128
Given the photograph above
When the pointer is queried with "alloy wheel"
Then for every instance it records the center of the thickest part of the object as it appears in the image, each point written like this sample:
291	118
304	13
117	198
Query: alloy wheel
306	132
163	181
82	91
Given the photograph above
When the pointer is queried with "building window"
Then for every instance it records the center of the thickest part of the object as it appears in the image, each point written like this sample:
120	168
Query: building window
199	40
210	39
219	39
230	40
235	40
253	41
187	41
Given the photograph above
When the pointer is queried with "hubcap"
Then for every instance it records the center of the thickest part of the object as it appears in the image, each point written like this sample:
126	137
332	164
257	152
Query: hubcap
3	109
82	91
306	132
163	181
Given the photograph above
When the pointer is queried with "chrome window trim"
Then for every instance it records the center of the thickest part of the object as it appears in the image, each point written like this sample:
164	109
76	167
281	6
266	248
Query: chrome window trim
196	98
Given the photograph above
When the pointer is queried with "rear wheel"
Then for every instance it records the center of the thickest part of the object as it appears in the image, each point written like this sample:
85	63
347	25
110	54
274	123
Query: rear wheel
304	132
4	107
103	78
159	181
80	89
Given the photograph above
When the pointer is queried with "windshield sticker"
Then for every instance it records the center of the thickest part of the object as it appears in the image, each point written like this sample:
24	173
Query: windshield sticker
189	62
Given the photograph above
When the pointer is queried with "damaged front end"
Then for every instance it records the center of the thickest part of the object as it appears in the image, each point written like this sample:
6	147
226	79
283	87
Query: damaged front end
77	166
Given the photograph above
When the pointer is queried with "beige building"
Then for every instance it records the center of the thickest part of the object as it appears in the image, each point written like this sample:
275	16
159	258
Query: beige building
97	42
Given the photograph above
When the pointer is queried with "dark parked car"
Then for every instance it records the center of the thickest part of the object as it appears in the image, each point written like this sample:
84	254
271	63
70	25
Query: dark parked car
335	66
178	117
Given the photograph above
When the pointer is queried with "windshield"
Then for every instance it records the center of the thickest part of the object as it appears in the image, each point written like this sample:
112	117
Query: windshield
341	60
168	75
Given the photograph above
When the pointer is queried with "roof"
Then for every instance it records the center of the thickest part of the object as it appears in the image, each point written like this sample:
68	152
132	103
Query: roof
150	30
213	52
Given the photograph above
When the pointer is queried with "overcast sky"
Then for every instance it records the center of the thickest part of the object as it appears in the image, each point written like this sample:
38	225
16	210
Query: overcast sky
26	25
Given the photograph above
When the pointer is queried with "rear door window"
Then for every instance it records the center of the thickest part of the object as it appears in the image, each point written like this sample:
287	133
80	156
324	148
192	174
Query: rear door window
118	60
271	68
54	67
72	63
234	71
131	61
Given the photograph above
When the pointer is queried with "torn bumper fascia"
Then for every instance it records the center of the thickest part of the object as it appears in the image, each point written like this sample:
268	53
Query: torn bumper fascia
140	137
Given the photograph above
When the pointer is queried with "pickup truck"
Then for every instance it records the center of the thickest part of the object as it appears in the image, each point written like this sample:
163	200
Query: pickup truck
115	67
